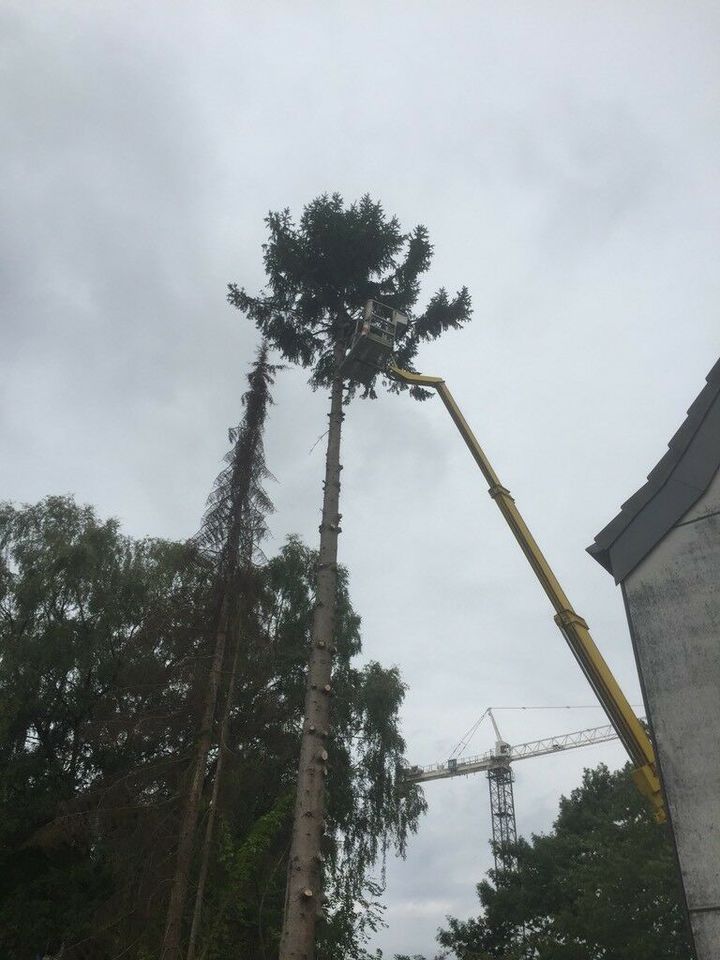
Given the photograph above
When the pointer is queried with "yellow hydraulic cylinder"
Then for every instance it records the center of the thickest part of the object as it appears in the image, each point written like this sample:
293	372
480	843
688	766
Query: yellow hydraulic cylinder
575	630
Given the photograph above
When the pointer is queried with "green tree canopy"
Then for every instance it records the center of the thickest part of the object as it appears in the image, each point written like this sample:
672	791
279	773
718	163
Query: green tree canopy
98	647
103	660
602	884
323	269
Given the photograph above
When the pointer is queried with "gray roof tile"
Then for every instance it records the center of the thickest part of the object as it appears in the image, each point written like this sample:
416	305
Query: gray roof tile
674	484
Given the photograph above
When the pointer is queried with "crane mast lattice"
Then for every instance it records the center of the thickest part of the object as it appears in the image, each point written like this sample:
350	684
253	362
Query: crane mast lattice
497	764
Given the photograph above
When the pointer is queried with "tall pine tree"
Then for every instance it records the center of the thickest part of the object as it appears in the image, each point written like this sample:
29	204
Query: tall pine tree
320	273
232	527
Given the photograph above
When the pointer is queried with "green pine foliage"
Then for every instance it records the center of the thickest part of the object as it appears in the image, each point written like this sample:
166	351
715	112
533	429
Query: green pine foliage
234	523
321	271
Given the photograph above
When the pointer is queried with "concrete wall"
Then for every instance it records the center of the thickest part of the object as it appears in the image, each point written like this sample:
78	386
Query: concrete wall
673	601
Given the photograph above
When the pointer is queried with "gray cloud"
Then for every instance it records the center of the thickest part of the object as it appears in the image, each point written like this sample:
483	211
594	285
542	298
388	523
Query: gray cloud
564	160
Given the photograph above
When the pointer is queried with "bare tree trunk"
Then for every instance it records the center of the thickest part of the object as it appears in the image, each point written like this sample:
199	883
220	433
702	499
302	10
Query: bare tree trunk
304	895
173	928
207	842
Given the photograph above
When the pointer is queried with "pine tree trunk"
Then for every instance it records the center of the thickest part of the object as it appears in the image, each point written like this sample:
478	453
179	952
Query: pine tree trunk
207	842
233	523
304	895
173	928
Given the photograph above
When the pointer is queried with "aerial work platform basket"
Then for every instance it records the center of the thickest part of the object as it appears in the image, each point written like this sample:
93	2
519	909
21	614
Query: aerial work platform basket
373	341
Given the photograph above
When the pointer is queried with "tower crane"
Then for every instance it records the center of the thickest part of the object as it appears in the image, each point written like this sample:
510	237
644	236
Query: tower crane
371	351
496	763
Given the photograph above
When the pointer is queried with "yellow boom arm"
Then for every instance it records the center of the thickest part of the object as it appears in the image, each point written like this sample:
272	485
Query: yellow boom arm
575	630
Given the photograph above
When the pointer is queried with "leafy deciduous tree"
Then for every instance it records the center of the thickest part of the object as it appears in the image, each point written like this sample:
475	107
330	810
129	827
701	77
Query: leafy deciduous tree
98	656
602	884
103	673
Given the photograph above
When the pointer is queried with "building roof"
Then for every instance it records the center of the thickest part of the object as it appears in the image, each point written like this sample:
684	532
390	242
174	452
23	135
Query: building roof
673	487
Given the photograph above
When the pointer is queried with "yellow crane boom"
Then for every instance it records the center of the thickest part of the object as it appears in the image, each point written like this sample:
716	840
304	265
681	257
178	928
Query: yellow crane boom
575	630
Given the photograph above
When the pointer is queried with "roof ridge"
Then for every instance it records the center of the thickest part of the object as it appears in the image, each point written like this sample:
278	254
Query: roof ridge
658	486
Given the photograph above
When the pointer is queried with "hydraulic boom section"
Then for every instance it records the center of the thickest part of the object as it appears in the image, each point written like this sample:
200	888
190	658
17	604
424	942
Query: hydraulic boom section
575	630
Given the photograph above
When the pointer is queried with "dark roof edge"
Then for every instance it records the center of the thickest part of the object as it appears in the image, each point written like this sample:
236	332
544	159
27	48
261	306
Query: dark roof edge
673	486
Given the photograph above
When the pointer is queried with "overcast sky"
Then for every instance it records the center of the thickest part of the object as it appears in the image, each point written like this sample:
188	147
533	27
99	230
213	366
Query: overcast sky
564	157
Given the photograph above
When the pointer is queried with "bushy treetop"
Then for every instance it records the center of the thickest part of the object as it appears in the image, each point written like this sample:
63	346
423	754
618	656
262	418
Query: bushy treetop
322	270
